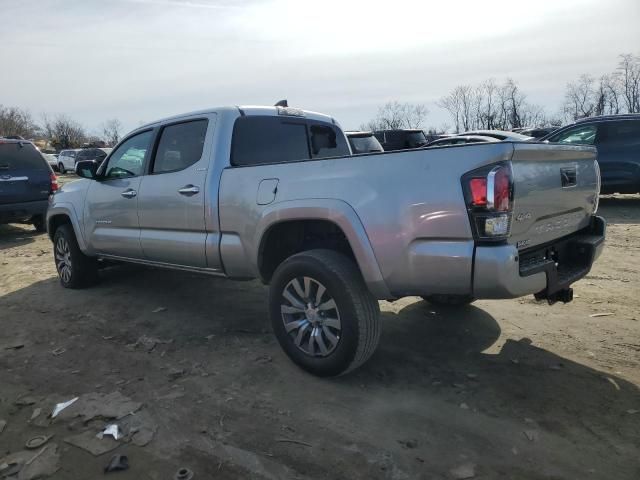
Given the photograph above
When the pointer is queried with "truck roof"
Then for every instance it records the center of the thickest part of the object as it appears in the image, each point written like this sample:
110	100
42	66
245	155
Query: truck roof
249	110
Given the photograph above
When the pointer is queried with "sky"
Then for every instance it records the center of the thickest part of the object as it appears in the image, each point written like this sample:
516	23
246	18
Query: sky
141	60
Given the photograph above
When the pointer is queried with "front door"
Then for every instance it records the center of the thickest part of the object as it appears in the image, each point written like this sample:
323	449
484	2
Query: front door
171	203
111	215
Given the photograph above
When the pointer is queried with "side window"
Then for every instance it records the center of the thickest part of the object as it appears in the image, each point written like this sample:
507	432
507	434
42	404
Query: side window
583	134
325	142
71	155
259	140
128	159
622	133
180	146
83	155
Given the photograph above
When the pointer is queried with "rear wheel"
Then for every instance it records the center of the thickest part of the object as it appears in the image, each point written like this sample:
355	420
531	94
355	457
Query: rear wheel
75	269
322	313
449	300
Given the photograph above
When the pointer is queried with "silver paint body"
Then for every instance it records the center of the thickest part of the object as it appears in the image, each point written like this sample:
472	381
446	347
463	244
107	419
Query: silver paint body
403	212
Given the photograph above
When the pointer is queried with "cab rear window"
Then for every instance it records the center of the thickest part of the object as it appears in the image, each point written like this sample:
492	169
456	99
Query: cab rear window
261	140
24	156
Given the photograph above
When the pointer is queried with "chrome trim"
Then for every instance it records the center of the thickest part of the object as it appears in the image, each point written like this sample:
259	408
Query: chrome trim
189	190
491	187
171	266
9	178
129	193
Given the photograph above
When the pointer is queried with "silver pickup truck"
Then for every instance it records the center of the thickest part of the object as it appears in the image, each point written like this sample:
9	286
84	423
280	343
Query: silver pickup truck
275	193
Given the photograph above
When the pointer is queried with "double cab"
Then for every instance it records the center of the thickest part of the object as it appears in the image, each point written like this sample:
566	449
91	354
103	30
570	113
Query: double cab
275	193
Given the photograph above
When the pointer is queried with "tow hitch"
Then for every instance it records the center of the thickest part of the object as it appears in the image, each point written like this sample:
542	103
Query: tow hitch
564	296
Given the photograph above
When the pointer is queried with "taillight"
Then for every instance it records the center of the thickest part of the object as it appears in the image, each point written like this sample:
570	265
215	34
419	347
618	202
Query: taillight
478	187
53	182
489	195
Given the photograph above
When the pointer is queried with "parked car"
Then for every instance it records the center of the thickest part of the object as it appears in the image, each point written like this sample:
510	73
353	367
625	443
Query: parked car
26	180
617	138
68	159
500	135
392	140
274	193
538	132
363	142
461	140
52	160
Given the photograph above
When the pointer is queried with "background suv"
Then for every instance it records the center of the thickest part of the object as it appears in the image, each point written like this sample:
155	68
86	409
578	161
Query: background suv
617	138
363	142
68	158
26	180
401	139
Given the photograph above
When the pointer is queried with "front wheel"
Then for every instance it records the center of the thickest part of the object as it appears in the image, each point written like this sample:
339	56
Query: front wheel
75	269
322	313
61	168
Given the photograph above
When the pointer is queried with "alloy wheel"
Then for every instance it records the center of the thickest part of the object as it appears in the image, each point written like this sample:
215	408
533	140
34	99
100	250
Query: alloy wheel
63	259
310	316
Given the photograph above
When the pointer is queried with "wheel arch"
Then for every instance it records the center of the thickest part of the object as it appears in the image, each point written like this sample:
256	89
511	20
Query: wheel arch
328	212
64	215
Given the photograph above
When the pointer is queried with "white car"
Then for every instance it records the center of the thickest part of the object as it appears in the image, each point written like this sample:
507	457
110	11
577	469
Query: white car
68	158
500	135
51	159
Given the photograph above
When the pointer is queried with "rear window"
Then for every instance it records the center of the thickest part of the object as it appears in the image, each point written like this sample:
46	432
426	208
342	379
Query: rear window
365	144
415	139
21	156
258	140
327	142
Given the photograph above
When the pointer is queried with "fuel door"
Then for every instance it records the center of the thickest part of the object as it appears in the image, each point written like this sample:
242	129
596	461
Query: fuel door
267	191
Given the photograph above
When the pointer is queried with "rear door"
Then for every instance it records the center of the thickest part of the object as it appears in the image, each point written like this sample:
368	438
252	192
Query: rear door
171	202
25	175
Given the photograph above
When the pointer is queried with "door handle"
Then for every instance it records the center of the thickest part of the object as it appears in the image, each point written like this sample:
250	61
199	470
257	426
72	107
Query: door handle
189	190
129	193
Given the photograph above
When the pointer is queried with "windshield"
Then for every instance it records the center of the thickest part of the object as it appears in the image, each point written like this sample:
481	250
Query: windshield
365	144
416	139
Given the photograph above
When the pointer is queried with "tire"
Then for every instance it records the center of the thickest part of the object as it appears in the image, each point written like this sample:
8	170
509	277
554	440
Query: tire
61	168
75	269
352	320
449	300
39	224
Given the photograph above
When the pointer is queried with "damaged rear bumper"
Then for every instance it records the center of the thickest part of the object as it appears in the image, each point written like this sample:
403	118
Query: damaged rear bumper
546	271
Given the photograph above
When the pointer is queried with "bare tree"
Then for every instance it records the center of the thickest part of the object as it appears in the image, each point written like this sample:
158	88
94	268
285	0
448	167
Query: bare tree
64	132
395	115
111	131
628	72
16	121
579	98
491	106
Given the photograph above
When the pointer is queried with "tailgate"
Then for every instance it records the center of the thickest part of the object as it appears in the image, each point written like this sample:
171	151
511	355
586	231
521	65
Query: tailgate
555	192
24	174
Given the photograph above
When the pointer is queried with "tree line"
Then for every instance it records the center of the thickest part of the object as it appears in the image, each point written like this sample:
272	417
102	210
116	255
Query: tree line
490	105
60	131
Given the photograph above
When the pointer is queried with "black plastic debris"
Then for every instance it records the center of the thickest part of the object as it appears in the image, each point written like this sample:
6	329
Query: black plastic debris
117	463
183	473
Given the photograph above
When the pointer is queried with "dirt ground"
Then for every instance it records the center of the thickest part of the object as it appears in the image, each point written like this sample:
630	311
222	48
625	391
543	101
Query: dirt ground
500	389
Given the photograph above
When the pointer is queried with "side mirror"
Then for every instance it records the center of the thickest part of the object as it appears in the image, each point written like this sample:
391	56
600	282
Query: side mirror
87	169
